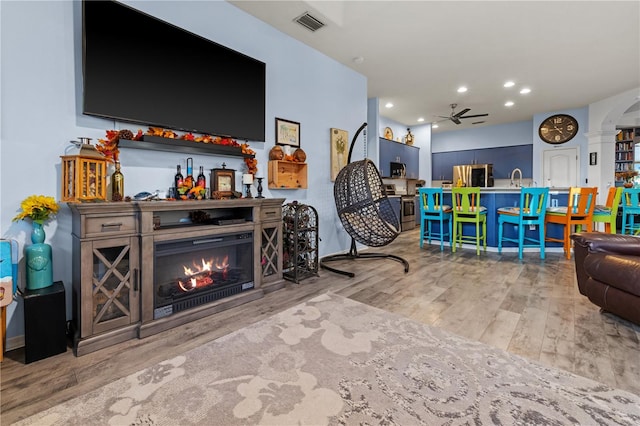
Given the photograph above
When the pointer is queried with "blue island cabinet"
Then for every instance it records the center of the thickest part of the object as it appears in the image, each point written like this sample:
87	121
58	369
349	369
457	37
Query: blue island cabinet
495	198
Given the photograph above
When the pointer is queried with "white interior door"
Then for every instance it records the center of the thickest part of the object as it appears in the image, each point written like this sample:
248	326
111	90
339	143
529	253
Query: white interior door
560	167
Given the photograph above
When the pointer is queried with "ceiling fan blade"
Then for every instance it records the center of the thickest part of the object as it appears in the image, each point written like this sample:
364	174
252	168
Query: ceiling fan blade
464	111
455	120
474	116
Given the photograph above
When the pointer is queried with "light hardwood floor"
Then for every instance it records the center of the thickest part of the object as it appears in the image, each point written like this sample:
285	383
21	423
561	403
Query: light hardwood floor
530	308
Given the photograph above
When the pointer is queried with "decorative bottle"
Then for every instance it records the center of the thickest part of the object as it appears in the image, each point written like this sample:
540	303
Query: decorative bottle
188	181
178	179
202	180
117	184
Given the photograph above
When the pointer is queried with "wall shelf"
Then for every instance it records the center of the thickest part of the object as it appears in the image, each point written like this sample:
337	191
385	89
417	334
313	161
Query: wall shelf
157	143
287	175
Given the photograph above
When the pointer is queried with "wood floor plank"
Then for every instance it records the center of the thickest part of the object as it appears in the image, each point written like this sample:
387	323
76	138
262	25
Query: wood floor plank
500	331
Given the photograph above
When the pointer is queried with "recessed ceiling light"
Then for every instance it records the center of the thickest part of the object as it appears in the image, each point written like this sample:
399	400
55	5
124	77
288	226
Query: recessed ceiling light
508	104
509	84
525	90
434	126
462	89
420	120
388	105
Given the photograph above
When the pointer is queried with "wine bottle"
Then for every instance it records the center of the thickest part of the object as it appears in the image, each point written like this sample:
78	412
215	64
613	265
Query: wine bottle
178	178
117	184
202	180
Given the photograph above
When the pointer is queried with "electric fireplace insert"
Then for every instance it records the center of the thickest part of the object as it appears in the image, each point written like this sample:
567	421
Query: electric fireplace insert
195	271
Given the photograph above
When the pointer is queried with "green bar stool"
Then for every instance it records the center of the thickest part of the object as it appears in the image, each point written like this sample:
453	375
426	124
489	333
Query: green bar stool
531	211
608	213
467	209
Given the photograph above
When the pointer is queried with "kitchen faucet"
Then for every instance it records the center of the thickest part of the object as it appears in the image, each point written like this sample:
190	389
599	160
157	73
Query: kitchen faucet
519	184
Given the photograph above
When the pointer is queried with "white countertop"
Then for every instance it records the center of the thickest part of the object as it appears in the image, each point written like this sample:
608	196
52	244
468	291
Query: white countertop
514	190
501	190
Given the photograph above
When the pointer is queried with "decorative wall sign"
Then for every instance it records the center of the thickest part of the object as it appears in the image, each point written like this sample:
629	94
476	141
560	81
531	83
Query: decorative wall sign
339	154
593	158
287	132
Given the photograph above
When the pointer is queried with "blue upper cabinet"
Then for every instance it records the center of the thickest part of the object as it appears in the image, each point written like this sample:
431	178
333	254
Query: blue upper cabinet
504	160
397	152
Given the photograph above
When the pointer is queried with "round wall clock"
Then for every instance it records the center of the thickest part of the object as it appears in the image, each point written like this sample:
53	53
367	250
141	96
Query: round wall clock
558	128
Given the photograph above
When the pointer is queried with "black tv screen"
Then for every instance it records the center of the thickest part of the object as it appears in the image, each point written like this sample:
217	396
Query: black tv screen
140	69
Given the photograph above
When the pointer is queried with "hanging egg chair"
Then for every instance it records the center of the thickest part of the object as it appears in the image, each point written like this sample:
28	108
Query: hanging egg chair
365	211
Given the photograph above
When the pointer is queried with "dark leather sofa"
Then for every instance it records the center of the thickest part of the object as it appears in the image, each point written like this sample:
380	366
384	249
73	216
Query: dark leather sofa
608	272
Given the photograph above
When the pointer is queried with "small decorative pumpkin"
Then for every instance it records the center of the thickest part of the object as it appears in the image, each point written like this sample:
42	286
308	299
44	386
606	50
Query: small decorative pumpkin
276	153
299	155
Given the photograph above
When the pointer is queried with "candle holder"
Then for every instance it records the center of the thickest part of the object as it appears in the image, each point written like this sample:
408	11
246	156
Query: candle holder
259	179
248	190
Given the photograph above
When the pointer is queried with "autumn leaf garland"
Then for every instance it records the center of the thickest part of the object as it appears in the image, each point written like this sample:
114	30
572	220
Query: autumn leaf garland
109	146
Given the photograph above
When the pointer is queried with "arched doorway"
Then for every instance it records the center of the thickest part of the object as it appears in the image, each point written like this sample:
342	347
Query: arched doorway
604	116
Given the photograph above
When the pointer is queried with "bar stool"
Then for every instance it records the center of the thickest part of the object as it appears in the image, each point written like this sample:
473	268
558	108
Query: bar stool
467	209
432	210
608	213
531	211
630	207
578	213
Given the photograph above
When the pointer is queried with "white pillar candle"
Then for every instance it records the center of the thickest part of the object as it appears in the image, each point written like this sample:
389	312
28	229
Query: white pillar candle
247	179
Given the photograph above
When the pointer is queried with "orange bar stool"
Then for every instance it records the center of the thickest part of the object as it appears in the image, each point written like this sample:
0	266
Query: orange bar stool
531	211
467	209
608	213
578	214
432	210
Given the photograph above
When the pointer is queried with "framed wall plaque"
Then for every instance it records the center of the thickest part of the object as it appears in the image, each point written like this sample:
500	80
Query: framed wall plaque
287	132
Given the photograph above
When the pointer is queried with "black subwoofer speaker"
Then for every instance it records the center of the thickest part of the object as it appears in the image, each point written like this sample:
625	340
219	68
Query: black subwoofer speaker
45	322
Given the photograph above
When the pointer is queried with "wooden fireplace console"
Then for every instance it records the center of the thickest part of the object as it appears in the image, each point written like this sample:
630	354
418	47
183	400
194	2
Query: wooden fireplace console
113	261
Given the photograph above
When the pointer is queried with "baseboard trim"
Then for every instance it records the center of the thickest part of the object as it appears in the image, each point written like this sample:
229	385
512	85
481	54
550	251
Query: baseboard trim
15	342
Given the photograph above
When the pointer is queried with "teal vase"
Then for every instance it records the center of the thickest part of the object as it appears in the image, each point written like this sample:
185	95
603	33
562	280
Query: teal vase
38	260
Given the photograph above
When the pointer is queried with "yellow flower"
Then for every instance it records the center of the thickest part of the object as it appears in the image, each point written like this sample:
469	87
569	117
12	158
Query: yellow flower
37	208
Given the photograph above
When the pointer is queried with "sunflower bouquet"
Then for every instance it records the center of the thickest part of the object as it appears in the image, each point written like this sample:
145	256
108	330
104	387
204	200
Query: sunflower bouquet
38	208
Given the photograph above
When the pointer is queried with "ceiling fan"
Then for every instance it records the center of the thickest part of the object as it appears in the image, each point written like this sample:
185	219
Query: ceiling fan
457	116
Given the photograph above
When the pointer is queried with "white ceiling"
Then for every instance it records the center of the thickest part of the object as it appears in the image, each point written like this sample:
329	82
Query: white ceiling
417	53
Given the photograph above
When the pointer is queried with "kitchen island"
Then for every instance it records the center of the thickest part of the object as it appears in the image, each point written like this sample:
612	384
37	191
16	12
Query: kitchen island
494	198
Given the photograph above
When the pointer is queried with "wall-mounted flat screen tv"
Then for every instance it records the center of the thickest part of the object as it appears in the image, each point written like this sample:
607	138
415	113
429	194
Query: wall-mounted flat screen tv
139	69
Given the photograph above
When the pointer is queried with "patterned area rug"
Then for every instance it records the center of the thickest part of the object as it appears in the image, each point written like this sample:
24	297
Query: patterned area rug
332	360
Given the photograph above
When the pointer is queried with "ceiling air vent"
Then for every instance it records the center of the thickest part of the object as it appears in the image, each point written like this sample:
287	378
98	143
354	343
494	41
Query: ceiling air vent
309	22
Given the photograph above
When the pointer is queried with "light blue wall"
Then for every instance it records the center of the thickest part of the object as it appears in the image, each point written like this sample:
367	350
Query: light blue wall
41	83
518	133
580	141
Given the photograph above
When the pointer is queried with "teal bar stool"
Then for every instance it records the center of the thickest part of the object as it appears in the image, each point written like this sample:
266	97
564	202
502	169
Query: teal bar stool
467	209
630	207
531	211
432	210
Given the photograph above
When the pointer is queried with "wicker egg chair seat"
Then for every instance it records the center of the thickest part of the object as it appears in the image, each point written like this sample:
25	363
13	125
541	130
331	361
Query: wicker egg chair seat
363	207
365	211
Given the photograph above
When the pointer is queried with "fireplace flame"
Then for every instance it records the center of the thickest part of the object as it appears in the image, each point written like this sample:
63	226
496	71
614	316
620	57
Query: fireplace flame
201	275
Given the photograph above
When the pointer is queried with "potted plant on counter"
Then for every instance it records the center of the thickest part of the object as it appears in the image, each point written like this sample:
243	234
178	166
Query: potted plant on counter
628	177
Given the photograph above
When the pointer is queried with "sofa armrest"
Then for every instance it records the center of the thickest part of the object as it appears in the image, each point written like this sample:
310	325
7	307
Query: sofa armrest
600	242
